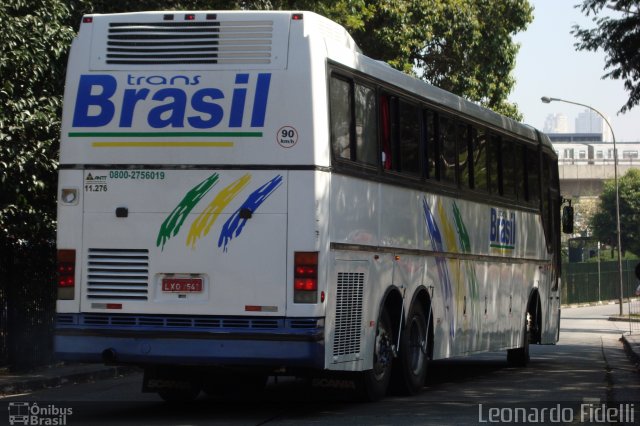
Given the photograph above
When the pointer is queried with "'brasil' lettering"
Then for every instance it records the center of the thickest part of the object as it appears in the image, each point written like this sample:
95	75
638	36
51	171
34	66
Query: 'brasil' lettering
171	106
502	232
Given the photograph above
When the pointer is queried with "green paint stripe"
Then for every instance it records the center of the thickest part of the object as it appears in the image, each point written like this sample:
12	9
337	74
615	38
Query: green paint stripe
164	134
500	246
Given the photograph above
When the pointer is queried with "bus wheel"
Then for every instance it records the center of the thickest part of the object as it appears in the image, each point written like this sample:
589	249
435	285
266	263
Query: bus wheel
180	395
519	357
374	383
410	374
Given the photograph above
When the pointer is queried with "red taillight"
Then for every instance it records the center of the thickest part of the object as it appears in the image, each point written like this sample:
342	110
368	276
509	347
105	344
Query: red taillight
87	19
306	284
297	16
66	273
305	277
190	17
66	268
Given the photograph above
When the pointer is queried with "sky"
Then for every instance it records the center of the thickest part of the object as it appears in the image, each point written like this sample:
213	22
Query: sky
549	65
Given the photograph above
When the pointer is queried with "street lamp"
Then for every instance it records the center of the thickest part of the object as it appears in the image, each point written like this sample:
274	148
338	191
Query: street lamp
547	100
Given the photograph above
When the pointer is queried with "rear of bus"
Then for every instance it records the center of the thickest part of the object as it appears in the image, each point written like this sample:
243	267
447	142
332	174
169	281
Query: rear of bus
189	232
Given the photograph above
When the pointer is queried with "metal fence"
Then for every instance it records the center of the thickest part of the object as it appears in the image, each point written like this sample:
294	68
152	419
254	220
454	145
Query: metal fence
593	282
27	306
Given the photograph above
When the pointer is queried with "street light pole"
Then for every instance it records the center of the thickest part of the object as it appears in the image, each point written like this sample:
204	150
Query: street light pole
547	100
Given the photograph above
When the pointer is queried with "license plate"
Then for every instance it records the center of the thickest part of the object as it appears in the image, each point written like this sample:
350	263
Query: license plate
182	285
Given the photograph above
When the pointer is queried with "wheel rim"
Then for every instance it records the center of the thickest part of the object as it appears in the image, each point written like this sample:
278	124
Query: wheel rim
383	354
417	344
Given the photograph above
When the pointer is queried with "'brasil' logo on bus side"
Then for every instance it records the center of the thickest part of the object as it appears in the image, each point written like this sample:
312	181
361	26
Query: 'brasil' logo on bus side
169	104
502	230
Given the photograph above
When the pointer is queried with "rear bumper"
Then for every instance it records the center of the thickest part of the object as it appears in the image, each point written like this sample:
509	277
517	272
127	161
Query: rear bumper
241	341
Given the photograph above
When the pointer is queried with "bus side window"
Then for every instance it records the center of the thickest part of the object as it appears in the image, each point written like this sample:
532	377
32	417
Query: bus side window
430	145
495	165
366	132
464	163
533	175
520	164
409	149
447	147
479	148
546	198
340	114
385	131
508	169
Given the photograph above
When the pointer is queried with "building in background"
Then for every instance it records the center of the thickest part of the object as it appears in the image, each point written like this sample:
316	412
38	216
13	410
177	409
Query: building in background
590	122
556	123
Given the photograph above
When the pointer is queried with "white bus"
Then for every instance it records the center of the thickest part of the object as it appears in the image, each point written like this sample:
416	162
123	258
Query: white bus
244	193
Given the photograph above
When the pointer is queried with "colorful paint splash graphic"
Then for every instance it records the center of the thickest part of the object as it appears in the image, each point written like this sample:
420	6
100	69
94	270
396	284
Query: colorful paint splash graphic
441	263
202	225
174	221
234	225
204	221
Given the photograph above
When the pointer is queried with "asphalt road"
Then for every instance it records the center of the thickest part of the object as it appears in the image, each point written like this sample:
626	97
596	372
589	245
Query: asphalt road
566	383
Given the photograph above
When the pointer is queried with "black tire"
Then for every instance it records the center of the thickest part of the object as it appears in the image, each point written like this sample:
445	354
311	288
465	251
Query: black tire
519	357
411	370
373	384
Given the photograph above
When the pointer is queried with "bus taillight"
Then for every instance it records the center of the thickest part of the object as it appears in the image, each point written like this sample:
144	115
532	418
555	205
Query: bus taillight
305	277
66	274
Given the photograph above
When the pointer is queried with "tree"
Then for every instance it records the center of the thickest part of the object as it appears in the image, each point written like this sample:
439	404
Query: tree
463	47
33	51
618	38
603	222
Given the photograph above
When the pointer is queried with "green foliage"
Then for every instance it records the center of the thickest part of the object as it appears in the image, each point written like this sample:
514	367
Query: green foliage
618	38
604	221
33	50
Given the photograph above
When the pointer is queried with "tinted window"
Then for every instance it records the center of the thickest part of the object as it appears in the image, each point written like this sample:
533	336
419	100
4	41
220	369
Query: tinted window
479	148
466	176
520	171
366	131
340	108
508	169
495	170
431	148
448	152
409	138
533	175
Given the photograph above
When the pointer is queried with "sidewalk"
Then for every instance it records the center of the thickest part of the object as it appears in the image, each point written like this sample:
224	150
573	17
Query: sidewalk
58	375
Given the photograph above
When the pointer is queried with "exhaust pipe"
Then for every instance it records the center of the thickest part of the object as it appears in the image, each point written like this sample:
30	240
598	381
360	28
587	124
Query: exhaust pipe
109	356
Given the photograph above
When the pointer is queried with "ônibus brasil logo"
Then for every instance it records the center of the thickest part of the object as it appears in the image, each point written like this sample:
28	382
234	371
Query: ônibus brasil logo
32	413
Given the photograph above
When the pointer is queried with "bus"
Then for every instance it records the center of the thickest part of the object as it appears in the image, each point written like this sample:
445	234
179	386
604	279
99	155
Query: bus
245	194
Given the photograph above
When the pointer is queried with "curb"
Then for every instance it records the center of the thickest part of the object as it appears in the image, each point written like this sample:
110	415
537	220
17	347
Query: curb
599	303
629	349
623	318
22	385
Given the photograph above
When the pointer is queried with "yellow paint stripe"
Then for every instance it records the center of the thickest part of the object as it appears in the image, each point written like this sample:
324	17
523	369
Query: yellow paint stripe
202	224
122	144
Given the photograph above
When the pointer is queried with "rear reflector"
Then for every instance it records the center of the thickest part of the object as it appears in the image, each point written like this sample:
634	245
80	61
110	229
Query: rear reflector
66	274
305	277
256	308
